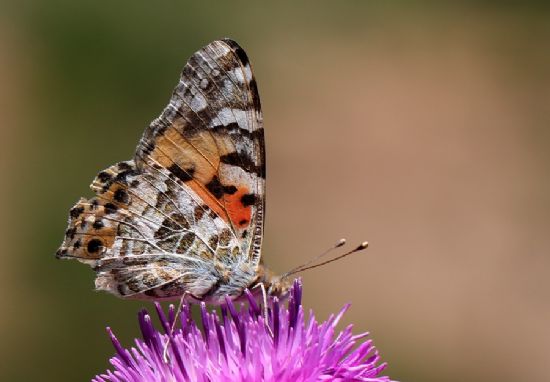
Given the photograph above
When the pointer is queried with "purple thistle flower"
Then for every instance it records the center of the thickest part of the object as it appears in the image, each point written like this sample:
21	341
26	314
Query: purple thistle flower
241	347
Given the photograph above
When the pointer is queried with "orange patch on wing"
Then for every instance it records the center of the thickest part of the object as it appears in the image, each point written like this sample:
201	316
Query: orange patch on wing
200	151
238	213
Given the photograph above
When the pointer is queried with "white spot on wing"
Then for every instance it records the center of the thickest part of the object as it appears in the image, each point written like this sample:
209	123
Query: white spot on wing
198	102
227	116
248	73
238	74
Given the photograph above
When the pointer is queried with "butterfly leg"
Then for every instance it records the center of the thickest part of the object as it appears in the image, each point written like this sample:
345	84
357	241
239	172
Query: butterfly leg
264	298
170	335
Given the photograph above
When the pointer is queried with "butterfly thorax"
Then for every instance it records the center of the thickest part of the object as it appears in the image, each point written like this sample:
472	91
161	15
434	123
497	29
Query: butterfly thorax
233	282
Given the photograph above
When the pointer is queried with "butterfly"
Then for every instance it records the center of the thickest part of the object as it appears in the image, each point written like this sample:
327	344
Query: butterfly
185	216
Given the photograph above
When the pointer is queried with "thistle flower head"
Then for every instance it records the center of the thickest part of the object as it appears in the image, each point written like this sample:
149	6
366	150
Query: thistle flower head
240	347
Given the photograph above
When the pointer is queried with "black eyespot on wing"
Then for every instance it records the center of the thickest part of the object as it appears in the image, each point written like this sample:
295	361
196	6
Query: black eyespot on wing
94	245
60	253
70	232
104	176
76	211
121	196
110	208
248	199
98	224
122	177
124	166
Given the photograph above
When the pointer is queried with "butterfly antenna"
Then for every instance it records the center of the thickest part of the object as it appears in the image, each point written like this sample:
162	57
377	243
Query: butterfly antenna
360	247
338	244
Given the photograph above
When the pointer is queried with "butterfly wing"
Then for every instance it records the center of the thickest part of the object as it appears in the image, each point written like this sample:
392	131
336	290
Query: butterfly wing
192	200
209	140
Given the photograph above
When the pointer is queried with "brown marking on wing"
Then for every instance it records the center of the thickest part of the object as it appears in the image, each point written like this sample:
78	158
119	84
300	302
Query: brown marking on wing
209	199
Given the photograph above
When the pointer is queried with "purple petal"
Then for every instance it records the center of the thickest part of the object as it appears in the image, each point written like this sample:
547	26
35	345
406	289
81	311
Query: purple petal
238	347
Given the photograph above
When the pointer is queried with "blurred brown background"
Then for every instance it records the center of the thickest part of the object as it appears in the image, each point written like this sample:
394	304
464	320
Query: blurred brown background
422	128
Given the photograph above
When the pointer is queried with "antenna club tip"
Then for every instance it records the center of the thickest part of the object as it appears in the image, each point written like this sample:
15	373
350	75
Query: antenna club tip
341	242
363	245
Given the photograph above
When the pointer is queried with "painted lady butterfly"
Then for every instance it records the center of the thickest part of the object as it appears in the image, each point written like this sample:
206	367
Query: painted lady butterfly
186	215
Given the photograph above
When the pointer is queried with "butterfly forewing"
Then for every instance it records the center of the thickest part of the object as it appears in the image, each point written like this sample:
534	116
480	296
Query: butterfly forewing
209	140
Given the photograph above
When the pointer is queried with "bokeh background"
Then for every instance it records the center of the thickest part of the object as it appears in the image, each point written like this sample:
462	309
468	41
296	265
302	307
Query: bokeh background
423	127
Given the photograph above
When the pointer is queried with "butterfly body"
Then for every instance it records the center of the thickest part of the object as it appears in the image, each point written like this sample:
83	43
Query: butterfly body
185	216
